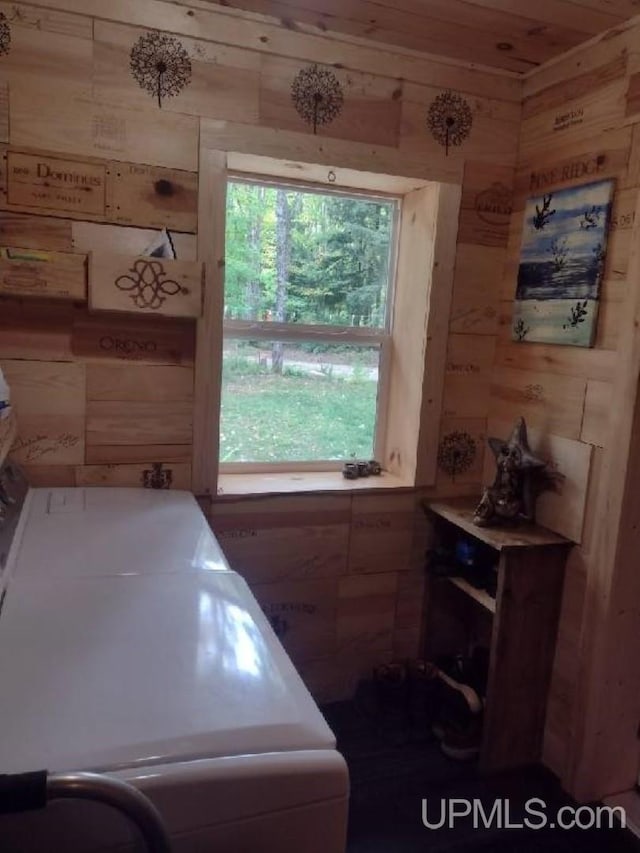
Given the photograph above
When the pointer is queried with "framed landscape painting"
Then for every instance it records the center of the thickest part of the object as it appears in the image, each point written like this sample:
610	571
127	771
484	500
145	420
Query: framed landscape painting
561	265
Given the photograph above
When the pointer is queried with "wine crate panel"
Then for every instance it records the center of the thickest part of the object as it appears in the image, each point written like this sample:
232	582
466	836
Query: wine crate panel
55	184
151	196
366	612
176	475
121	240
35	329
369	111
137	382
476	289
270	539
50	476
467	376
49	402
138	422
485	209
150	340
303	615
121	454
547	401
597	413
54	275
145	285
561	510
381	533
35	232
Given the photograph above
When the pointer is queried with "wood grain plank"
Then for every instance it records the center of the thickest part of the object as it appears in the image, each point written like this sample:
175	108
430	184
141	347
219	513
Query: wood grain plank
35	232
139	382
131	475
117	422
50	275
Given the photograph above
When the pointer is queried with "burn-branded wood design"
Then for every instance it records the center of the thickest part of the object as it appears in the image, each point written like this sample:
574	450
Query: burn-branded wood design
449	119
5	35
148	285
456	453
160	65
317	96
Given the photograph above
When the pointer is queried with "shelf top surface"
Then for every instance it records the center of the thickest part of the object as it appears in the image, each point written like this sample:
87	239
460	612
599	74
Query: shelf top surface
459	511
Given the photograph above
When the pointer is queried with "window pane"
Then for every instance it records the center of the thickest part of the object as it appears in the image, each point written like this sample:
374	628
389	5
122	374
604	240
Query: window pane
303	257
286	402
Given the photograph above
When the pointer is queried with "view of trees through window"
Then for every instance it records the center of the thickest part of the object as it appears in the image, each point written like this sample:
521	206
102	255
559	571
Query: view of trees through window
303	258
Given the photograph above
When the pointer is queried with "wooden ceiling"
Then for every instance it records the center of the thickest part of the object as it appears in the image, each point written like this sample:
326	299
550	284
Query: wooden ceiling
515	35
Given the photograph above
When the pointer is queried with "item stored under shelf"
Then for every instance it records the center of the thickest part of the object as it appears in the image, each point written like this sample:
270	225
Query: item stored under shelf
523	626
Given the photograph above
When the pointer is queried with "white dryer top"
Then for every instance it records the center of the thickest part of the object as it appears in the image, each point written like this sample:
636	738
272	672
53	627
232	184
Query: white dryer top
124	671
89	532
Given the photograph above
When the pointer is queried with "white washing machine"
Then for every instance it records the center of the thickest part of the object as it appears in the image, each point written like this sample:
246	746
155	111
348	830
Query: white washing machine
128	646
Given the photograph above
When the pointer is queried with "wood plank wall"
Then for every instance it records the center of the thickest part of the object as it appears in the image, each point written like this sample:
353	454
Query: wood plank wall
580	123
100	397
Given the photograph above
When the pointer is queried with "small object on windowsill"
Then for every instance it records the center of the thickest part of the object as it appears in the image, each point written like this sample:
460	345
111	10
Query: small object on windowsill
353	470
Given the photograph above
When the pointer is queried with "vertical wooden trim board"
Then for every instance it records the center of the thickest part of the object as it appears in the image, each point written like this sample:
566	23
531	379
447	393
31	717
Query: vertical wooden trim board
212	192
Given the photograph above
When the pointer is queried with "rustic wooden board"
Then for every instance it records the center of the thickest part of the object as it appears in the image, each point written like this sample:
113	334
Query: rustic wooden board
52	275
486	204
35	232
476	289
151	196
547	401
597	410
468	375
118	239
604	156
49	401
150	340
303	615
131	475
223	84
23	15
48	476
329	151
273	538
138	382
63	117
575	119
145	285
557	95
54	183
109	454
381	533
569	361
118	422
366	612
493	136
370	111
473	432
561	511
35	329
39	55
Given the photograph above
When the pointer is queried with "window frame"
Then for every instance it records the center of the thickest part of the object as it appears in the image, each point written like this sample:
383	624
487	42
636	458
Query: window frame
270	330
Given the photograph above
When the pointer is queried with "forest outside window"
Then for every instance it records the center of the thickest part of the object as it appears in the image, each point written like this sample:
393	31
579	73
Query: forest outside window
307	322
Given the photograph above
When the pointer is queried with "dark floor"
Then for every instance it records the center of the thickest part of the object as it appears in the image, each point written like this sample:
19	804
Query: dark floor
394	767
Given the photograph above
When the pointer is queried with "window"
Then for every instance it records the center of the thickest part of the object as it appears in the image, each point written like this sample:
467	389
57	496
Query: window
307	320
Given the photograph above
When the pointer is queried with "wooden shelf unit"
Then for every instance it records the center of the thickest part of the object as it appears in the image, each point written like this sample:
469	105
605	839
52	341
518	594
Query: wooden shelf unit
522	632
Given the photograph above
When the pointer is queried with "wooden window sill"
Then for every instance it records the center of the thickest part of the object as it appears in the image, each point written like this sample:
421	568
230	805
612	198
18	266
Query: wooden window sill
307	481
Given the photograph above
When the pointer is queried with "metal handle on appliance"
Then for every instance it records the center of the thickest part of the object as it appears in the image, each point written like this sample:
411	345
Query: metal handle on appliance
114	792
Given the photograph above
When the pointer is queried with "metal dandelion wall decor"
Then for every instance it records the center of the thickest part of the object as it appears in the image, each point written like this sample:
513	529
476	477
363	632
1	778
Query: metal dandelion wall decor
317	96
449	119
5	34
160	64
457	453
